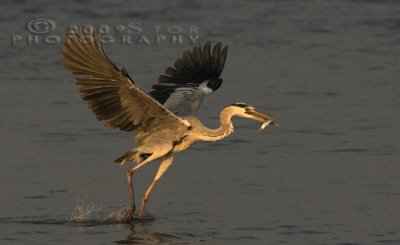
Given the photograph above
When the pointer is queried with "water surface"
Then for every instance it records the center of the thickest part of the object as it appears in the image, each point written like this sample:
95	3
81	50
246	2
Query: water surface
328	175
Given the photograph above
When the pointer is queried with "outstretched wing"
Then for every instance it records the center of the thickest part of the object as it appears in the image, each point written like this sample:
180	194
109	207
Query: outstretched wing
111	93
182	88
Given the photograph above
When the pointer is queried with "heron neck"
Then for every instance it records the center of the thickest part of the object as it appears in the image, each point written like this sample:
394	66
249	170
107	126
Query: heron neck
225	128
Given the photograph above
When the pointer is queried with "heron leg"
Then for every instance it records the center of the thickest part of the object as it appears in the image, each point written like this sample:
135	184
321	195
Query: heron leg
164	165
129	174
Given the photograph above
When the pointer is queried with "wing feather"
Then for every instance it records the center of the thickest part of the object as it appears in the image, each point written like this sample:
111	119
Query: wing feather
198	72
111	93
207	57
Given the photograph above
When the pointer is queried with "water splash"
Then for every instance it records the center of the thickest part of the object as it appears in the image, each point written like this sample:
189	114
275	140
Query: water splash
90	214
121	217
84	214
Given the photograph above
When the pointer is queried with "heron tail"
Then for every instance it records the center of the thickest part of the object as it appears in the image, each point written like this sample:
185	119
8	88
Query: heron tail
130	156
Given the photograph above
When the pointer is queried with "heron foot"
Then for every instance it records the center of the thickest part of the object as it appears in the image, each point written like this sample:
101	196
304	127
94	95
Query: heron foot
131	214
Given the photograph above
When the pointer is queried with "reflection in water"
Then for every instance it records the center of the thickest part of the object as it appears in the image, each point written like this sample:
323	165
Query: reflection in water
142	233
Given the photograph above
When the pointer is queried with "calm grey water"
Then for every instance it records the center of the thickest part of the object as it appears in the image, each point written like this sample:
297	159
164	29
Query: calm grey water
330	174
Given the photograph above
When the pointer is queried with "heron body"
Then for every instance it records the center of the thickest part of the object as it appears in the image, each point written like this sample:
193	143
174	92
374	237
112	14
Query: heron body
164	120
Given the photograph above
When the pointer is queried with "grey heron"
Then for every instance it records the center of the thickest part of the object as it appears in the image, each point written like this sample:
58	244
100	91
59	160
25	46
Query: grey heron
164	120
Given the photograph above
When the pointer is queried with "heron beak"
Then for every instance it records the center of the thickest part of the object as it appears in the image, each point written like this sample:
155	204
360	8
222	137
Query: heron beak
264	117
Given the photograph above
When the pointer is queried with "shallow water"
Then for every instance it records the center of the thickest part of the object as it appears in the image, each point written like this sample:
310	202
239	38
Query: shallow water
328	175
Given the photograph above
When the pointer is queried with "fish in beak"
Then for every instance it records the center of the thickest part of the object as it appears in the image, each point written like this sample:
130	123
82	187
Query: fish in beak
266	119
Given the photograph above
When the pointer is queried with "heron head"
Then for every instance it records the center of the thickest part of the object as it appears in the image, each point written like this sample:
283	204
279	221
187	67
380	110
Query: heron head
248	111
